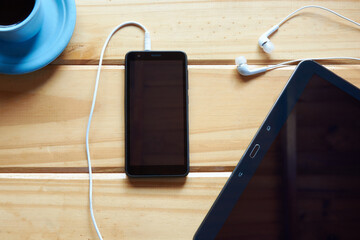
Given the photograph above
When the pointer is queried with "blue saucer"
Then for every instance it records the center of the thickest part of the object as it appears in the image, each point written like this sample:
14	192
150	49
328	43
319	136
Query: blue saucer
58	26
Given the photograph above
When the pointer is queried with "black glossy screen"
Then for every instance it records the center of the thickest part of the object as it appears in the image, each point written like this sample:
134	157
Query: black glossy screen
157	114
308	184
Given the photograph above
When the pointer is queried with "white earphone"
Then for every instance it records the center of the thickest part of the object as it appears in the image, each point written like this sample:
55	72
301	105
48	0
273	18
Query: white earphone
243	68
268	46
264	41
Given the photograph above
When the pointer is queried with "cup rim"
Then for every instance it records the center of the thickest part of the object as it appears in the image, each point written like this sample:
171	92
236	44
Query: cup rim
6	28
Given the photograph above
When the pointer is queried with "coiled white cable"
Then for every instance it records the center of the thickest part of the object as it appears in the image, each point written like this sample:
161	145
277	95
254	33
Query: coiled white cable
147	47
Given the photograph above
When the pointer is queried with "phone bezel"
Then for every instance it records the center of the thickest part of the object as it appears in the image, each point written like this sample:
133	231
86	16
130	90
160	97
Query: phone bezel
163	170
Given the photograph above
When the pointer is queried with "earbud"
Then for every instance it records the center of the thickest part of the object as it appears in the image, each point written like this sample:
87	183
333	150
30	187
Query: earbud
243	68
264	41
268	46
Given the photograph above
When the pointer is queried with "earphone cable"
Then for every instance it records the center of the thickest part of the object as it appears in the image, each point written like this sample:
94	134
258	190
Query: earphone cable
285	64
320	7
147	46
325	58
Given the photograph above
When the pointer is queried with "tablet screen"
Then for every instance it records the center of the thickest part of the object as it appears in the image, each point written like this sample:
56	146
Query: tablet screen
308	184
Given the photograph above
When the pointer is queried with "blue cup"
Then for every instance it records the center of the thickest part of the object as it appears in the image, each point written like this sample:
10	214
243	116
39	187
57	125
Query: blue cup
25	29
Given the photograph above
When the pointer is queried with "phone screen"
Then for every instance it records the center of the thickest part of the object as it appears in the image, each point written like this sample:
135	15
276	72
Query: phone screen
156	113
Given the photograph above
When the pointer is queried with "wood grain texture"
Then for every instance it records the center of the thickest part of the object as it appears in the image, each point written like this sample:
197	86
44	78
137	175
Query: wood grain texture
44	116
214	32
56	207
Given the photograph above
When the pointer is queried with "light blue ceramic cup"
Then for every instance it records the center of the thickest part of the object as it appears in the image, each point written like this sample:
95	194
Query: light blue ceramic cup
24	30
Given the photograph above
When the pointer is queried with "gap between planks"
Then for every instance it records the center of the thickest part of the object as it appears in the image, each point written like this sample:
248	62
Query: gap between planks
333	65
193	169
96	176
201	62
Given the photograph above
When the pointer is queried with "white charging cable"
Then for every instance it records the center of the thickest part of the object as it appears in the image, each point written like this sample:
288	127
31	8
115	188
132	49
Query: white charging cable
147	47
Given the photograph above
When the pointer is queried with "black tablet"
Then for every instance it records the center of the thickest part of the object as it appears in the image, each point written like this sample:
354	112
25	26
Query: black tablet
300	176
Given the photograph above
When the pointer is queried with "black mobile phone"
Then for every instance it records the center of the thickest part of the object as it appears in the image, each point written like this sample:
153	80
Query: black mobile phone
156	114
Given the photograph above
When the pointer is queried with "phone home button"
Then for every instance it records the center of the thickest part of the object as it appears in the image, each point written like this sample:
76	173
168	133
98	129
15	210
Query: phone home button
255	150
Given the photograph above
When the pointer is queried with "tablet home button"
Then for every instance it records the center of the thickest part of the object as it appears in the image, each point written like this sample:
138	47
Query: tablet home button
255	150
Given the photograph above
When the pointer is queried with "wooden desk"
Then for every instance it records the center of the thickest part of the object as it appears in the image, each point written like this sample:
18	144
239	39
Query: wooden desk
43	115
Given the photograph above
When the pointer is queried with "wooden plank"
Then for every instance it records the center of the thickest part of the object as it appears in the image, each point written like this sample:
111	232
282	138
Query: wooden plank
44	116
214	32
55	206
